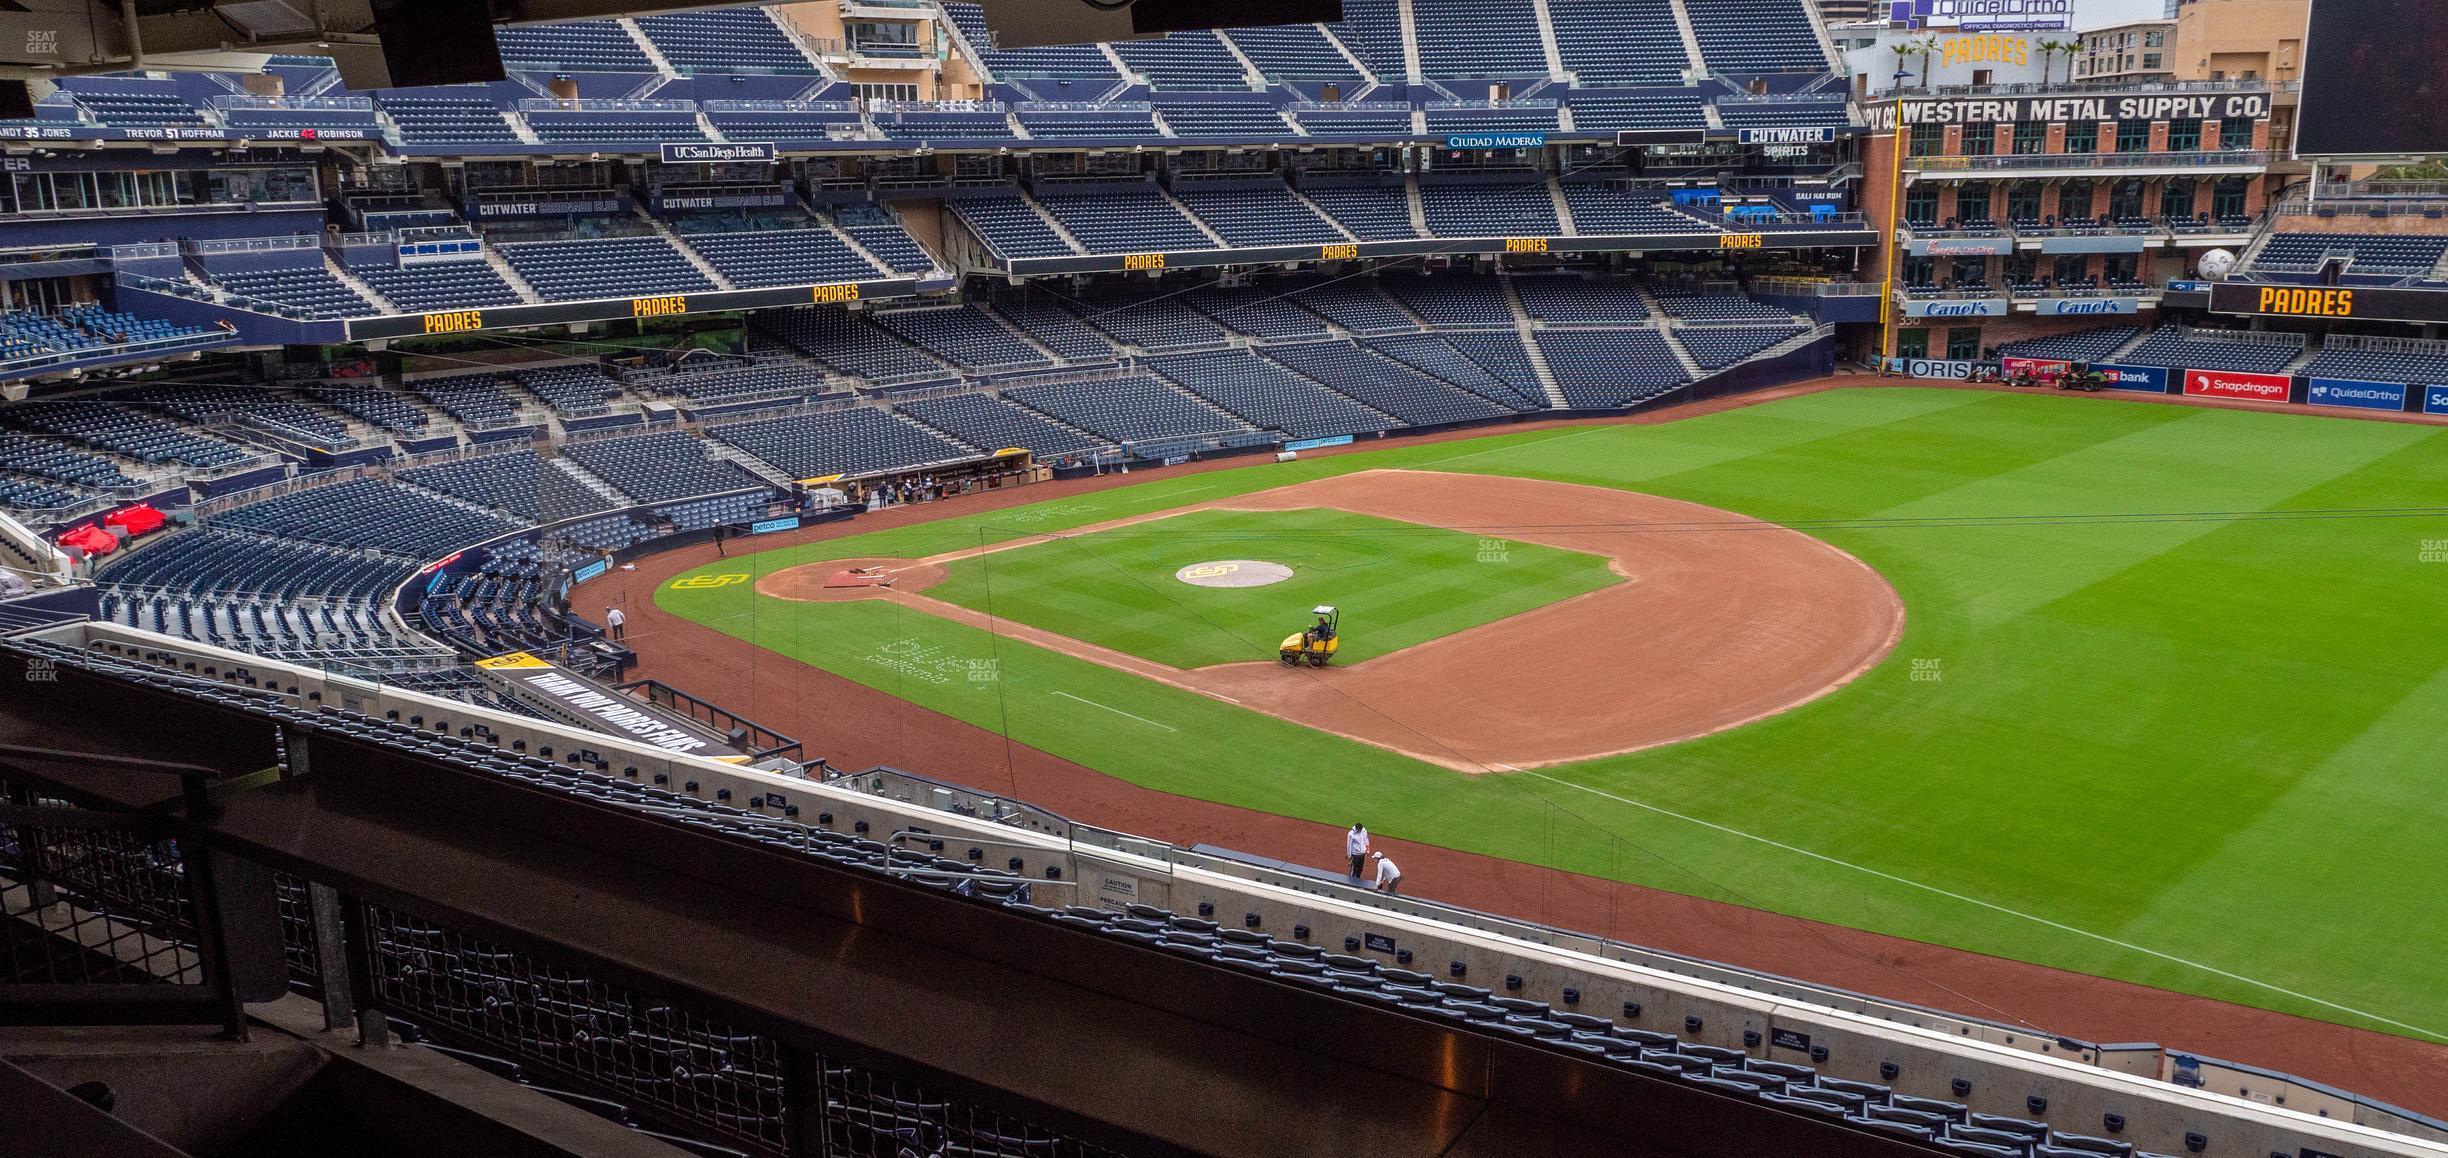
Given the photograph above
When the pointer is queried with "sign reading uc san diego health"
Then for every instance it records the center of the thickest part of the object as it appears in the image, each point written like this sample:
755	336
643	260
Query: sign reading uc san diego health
701	153
1496	141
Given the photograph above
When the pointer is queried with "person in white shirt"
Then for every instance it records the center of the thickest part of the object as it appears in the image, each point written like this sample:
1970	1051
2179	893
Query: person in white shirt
616	622
1356	846
1389	877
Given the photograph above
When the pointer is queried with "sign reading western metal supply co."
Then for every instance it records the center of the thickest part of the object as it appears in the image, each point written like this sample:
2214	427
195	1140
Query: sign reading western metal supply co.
2072	108
1473	141
709	153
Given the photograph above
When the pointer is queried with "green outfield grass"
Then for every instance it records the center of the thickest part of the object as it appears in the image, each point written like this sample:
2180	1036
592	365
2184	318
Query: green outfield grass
2168	706
1400	583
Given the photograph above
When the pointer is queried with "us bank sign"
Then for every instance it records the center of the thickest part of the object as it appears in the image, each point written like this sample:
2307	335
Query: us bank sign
1977	15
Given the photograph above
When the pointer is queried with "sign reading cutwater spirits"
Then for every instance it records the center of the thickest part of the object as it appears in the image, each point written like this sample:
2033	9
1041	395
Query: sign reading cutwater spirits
1822	135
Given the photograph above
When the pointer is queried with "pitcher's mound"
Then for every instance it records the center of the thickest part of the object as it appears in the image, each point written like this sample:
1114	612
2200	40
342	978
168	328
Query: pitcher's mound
837	579
1233	573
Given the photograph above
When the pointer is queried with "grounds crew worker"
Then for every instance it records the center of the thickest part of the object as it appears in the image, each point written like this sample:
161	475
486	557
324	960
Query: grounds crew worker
1356	846
1389	877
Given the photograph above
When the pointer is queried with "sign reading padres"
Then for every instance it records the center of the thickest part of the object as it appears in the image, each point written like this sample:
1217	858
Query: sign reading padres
2362	303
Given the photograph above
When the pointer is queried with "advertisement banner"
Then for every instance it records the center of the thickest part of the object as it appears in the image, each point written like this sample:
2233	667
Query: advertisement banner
1944	308
2237	384
1930	368
1318	443
1959	246
2359	395
589	571
2367	303
1473	141
685	153
769	526
2045	369
2435	399
2140	379
2088	307
1825	135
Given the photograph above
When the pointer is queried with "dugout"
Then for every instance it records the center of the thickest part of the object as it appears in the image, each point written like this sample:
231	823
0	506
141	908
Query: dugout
1011	466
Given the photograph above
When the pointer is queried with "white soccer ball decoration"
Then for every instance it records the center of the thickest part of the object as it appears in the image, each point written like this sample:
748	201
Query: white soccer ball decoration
2217	264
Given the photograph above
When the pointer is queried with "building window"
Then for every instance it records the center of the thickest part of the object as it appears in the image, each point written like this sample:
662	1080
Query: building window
2030	138
1921	206
2125	199
2227	199
2184	136
2176	201
1979	140
2082	137
1963	343
1972	203
2150	60
1912	343
1928	140
2074	202
2133	136
2023	202
2154	39
888	92
2071	270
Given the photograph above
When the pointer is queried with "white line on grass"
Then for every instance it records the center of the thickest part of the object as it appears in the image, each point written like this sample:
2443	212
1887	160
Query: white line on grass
1118	712
2128	945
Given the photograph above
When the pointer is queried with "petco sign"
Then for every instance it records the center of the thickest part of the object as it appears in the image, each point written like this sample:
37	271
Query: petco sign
2233	384
2038	15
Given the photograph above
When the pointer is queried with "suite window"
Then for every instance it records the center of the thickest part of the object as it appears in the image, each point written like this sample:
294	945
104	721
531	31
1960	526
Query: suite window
2176	201
2184	135
1928	140
2132	136
2074	202
2227	200
2082	137
1963	343
1912	343
1921	206
2023	202
2072	270
2030	138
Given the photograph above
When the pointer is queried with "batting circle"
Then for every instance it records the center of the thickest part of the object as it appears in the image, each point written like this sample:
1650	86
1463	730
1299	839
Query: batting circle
1233	573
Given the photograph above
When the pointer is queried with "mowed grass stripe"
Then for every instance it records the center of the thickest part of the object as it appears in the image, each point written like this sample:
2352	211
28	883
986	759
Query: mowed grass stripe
2100	746
1401	584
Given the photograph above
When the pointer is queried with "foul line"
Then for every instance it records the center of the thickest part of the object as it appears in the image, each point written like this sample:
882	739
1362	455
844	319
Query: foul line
1118	712
2128	945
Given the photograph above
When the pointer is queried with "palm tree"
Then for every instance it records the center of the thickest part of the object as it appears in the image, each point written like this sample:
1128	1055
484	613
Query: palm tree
2049	50
1929	54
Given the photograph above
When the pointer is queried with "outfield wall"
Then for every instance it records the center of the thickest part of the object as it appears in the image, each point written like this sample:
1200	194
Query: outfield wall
2073	1086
